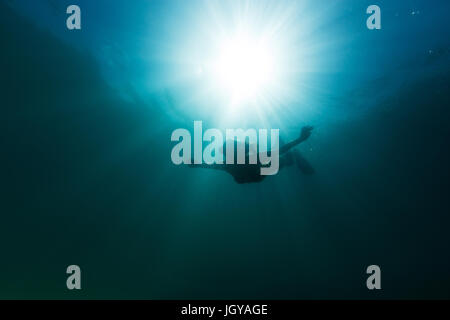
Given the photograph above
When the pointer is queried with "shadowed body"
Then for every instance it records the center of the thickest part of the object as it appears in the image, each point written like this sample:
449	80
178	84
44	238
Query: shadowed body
251	173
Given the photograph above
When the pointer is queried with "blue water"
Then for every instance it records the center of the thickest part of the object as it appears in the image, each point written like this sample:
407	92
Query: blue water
87	177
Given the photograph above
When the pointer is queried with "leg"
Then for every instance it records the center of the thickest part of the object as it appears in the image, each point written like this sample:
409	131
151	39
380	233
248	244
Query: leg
303	164
306	132
286	160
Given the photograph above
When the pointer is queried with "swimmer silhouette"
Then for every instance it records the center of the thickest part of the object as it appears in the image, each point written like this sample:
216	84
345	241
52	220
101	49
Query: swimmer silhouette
250	173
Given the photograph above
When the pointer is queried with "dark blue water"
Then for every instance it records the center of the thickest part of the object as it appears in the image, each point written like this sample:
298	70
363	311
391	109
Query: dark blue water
87	179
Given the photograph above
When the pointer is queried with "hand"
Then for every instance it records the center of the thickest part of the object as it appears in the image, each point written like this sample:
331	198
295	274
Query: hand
306	132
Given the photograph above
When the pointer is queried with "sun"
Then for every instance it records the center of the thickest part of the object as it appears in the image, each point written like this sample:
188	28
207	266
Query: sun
245	61
245	67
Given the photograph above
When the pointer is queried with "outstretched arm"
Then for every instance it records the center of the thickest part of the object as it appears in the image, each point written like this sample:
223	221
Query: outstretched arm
306	132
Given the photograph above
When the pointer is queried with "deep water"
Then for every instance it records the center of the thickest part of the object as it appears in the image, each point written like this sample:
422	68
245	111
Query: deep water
86	176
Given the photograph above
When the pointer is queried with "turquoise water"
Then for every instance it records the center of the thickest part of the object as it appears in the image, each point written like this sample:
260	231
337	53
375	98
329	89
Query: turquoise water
87	177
